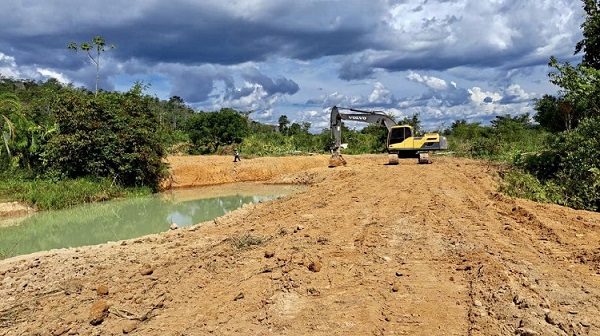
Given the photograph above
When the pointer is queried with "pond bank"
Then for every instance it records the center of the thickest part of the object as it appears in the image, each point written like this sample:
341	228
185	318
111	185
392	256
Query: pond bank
14	209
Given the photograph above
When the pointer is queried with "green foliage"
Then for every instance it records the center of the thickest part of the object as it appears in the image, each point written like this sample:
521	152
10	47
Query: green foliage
53	195
377	137
361	143
555	114
518	183
210	130
112	135
506	137
579	165
20	136
174	113
571	164
267	142
283	124
590	45
579	91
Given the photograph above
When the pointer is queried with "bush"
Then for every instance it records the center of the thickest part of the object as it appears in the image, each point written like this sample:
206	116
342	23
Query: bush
571	166
579	166
518	183
111	135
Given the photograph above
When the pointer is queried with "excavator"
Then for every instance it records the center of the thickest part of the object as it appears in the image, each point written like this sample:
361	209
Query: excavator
401	140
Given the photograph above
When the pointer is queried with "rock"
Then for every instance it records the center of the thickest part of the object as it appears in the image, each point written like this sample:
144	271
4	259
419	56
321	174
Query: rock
174	226
129	326
98	312
477	303
553	318
526	332
146	269
238	297
315	266
520	301
395	288
269	254
102	290
61	331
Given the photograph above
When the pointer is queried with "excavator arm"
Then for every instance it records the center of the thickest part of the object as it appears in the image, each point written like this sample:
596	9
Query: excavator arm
371	117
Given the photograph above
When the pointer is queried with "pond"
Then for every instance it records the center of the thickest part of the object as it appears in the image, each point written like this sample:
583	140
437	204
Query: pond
98	223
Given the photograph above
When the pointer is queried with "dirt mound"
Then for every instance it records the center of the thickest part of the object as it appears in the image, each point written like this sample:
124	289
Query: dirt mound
366	249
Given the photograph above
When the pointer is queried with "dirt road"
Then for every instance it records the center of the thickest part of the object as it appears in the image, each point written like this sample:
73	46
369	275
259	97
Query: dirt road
366	249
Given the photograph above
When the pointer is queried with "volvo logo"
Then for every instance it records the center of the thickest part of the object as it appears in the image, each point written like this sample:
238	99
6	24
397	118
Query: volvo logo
357	118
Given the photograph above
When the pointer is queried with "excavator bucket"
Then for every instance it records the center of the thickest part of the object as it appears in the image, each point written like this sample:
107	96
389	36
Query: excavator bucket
336	160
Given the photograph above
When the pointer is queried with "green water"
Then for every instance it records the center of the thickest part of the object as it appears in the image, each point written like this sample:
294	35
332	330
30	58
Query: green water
125	219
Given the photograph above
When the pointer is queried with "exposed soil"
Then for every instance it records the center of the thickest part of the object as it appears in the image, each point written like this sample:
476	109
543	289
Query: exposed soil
14	209
366	249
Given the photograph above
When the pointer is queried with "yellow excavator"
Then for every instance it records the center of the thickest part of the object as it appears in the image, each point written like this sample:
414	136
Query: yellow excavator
401	139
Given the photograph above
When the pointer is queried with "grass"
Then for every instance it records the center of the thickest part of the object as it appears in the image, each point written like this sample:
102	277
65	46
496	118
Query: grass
53	195
247	240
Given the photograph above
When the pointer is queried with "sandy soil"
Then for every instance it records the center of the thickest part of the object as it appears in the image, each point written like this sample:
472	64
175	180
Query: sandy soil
14	209
366	249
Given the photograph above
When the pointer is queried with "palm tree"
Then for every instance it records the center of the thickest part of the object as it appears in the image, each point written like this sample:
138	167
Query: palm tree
8	102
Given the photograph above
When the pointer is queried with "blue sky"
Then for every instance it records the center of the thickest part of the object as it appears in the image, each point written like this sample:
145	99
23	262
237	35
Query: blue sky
445	60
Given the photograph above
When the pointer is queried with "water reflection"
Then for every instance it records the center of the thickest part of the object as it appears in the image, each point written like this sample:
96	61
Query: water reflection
117	220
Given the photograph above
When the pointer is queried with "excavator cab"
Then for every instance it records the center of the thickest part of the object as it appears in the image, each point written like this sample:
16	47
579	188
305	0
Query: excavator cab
398	134
404	143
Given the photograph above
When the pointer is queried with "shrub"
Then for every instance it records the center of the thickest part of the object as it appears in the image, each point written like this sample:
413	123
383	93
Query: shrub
111	135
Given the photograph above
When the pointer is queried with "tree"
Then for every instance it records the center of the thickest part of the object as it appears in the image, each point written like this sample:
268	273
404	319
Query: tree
8	102
283	124
210	130
99	46
114	135
580	90
412	121
590	45
294	129
20	135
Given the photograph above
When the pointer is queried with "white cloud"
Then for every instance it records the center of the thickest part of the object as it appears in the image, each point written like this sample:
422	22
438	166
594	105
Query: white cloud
431	82
380	95
53	74
8	66
480	97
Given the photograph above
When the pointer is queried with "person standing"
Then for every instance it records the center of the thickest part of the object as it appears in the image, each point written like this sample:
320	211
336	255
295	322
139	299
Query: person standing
236	156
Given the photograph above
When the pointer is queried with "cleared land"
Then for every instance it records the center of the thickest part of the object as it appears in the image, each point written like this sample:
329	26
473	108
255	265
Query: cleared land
366	249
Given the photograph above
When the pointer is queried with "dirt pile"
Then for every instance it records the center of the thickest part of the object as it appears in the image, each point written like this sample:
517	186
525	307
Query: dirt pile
367	249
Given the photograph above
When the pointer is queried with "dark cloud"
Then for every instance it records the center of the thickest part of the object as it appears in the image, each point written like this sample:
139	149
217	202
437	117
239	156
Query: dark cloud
272	86
248	54
355	70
